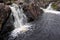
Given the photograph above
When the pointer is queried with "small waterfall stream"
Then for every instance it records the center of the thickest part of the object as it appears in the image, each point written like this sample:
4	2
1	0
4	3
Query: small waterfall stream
49	9
20	23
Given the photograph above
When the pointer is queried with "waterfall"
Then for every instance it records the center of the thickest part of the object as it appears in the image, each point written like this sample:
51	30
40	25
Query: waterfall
49	9
20	22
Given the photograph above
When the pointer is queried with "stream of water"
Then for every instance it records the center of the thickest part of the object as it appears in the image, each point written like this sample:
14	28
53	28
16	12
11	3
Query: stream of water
20	18
20	22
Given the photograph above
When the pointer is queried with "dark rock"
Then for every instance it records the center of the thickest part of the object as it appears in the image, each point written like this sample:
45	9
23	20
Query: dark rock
56	5
4	12
47	27
1	1
6	21
32	11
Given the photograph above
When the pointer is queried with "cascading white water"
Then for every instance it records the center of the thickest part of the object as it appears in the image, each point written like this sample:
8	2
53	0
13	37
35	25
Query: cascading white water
49	9
20	23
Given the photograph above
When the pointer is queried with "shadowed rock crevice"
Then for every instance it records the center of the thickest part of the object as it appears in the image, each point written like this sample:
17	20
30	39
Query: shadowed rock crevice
6	21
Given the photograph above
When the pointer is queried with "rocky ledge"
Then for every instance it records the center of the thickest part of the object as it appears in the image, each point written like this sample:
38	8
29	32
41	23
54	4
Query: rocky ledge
4	13
56	5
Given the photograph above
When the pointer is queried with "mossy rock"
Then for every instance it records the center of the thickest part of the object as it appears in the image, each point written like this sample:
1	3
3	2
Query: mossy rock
54	6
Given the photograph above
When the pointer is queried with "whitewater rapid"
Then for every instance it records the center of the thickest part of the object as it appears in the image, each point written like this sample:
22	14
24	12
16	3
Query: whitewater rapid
20	22
49	9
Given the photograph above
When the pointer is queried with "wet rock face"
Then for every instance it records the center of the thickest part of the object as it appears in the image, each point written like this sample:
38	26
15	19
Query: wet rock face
41	3
45	3
6	21
32	11
4	12
56	5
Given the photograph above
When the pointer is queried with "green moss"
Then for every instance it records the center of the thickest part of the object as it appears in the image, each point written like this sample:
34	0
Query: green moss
54	6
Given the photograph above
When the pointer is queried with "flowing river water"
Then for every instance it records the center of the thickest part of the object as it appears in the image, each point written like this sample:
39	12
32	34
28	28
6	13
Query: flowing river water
20	22
46	27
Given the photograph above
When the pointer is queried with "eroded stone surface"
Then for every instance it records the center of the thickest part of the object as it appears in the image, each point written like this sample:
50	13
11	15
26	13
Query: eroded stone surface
4	12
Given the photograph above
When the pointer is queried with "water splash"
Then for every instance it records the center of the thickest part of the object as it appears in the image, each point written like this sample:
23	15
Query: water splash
49	9
49	6
20	23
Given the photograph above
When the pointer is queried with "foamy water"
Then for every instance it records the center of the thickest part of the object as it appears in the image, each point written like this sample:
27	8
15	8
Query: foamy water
20	23
49	9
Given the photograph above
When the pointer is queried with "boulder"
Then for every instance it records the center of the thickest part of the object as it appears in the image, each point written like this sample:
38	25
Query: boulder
32	11
4	13
6	21
56	5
